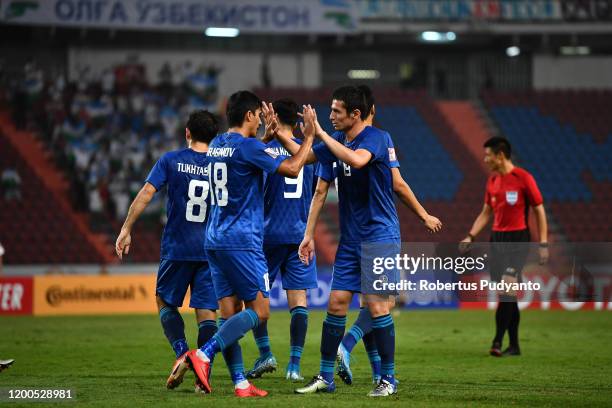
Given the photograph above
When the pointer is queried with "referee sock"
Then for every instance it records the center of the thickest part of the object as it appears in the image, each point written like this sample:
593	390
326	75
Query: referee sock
369	341
206	329
331	336
297	330
233	359
514	325
384	332
230	332
502	318
362	325
174	329
260	334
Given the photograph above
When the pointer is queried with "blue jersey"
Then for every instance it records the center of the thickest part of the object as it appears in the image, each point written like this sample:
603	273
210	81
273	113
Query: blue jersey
286	202
184	171
236	166
365	196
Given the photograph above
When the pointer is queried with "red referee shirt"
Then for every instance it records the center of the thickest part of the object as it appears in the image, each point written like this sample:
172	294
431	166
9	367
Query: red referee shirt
510	195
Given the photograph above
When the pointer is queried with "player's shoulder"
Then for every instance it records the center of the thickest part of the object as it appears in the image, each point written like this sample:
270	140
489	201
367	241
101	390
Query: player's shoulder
522	173
173	154
374	133
252	143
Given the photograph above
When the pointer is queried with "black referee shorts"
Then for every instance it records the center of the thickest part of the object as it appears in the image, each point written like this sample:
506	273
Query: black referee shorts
508	259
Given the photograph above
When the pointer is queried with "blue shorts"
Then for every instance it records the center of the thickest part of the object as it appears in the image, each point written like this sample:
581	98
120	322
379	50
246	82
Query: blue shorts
240	273
284	258
348	264
174	277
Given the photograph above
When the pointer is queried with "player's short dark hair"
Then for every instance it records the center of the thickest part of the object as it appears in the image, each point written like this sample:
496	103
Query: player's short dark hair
353	98
287	111
368	97
203	126
238	104
499	144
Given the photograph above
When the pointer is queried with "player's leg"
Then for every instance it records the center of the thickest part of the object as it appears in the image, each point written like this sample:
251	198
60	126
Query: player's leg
331	336
266	362
346	281
517	261
204	302
297	330
383	329
297	278
502	313
173	280
207	328
362	325
237	275
232	354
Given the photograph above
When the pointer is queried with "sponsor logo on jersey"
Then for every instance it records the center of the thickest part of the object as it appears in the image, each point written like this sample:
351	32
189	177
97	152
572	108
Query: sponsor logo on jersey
273	153
392	156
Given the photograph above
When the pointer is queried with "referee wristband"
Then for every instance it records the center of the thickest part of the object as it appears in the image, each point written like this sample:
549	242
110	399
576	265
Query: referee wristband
543	244
470	236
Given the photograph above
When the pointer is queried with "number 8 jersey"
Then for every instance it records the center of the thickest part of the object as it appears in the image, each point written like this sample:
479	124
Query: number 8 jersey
185	173
236	167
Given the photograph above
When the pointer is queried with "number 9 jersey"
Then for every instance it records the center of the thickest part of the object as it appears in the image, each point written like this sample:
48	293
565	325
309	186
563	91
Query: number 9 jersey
286	202
185	173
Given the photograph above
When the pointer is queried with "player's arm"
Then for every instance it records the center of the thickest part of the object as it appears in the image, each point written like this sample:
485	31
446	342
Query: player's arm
540	214
405	194
292	147
354	158
291	167
307	247
480	222
143	198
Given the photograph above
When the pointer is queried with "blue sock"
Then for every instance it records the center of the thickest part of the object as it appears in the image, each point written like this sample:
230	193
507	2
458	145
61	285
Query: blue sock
174	329
231	331
331	336
206	329
233	359
260	333
384	332
362	325
298	328
369	341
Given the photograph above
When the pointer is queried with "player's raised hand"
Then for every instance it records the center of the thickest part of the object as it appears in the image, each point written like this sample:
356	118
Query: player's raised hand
270	121
432	223
308	127
318	128
306	251
122	245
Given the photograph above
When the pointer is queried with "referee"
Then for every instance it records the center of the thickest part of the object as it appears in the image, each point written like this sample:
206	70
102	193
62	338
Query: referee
509	193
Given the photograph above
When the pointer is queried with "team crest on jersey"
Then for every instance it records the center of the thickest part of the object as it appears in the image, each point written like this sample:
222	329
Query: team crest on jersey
392	156
511	197
271	152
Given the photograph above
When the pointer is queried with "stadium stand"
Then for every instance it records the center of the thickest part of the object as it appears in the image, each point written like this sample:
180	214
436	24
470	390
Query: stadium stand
40	226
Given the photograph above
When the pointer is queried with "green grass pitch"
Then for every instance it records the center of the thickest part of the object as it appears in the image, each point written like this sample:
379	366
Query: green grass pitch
441	360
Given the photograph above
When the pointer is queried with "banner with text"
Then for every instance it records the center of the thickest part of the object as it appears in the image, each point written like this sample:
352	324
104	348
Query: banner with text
252	16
